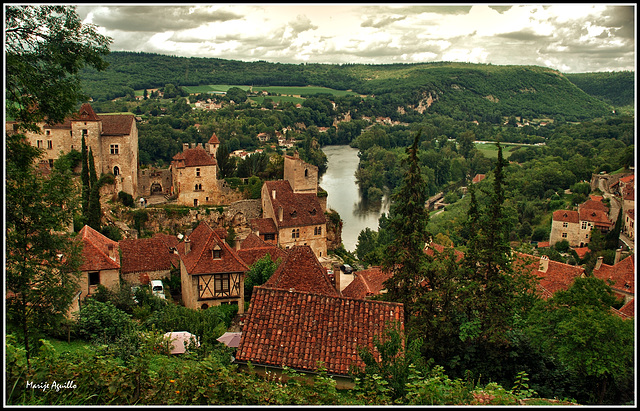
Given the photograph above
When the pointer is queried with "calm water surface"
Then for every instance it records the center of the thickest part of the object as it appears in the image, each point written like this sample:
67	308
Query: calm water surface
344	197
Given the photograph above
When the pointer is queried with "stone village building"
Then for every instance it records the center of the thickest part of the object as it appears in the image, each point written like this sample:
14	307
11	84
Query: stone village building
113	139
575	226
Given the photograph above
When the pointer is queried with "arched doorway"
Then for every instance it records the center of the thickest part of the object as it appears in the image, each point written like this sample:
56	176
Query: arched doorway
116	171
156	188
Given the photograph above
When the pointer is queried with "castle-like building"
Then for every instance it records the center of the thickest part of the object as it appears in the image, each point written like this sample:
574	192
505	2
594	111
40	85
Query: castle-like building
113	139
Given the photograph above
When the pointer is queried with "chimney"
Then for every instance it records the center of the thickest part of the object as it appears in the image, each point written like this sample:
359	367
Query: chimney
599	263
187	245
185	146
336	275
618	255
544	264
273	194
280	213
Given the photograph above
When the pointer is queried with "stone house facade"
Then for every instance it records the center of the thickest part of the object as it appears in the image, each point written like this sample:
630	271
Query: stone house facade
575	226
100	262
295	209
194	172
113	139
211	272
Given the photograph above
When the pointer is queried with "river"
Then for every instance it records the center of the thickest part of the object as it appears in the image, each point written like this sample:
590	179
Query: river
343	196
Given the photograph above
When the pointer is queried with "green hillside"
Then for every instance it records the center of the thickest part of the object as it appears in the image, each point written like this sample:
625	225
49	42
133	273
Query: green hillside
458	90
615	88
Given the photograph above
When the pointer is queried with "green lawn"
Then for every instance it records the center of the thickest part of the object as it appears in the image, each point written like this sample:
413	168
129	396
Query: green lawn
490	150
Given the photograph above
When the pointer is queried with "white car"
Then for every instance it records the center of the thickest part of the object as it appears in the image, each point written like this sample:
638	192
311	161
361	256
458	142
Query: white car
157	289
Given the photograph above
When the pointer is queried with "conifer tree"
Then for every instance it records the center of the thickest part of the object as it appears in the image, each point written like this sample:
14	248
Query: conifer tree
84	175
94	211
404	256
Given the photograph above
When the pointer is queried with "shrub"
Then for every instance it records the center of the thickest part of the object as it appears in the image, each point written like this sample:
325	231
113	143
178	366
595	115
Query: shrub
102	322
126	199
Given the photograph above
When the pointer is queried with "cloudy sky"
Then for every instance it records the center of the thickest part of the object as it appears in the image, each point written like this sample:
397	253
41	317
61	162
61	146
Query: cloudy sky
572	38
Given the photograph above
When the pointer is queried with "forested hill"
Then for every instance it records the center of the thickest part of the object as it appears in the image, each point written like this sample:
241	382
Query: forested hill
616	88
458	90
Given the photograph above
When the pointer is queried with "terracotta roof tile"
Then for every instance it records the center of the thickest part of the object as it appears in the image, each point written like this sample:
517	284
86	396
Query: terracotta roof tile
214	139
117	124
263	226
146	254
302	271
558	276
96	251
298	330
254	248
568	216
299	209
628	310
621	274
440	249
194	157
594	204
366	283
597	217
627	179
200	259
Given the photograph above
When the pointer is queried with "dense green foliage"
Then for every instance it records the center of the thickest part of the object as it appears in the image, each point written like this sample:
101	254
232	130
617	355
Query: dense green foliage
615	88
461	91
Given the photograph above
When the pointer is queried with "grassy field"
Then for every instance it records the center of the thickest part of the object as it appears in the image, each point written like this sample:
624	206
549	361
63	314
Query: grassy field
490	150
282	90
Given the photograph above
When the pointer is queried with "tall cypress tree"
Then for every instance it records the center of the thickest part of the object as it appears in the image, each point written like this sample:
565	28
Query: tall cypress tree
84	174
404	256
94	210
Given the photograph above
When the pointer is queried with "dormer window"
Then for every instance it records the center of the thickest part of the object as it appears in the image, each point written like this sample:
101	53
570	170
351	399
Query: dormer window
216	253
294	214
313	212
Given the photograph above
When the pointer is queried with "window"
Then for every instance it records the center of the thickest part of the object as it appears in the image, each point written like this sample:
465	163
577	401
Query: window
94	278
221	283
116	171
48	132
268	237
51	163
317	231
584	225
198	187
565	225
115	149
564	235
197	172
50	144
85	132
39	143
195	202
217	254
295	233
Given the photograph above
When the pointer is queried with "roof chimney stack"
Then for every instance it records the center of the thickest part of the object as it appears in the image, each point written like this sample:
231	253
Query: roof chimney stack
618	255
187	246
544	264
599	263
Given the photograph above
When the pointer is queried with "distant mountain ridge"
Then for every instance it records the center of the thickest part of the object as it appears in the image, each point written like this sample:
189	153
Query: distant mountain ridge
451	89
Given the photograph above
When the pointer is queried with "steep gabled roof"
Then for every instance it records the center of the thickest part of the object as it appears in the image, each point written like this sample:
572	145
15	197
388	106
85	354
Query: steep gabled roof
568	216
366	283
214	139
200	259
558	276
301	271
254	248
597	217
86	113
298	329
298	209
146	254
621	274
95	251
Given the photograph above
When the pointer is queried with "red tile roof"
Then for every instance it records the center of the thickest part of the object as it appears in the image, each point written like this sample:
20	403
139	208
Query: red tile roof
597	217
298	209
629	194
568	216
440	249
194	157
200	259
543	244
95	251
557	277
146	254
254	248
628	310
581	251
86	113
627	179
298	330
214	139
263	226
622	275
477	178
117	124
302	271
366	283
